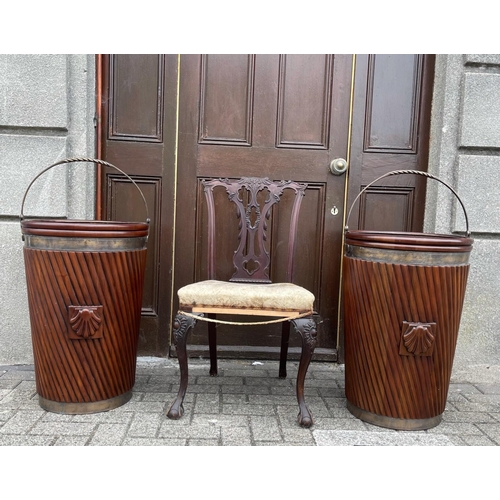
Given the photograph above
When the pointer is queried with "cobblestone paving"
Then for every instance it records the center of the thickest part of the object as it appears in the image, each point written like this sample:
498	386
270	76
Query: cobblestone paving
246	405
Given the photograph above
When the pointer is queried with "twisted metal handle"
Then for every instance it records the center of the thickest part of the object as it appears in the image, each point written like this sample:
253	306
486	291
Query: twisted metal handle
86	160
416	172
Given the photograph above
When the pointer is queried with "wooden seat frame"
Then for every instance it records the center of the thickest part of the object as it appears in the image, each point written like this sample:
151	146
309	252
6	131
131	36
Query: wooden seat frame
253	225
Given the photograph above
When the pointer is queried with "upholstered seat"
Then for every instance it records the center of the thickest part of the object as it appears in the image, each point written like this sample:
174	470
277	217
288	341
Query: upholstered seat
284	297
249	291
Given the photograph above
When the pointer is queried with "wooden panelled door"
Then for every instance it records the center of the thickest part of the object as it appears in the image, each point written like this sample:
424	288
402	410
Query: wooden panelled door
277	116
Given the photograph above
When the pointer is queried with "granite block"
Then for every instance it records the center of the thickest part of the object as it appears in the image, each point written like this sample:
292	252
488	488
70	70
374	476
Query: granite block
34	90
480	110
478	186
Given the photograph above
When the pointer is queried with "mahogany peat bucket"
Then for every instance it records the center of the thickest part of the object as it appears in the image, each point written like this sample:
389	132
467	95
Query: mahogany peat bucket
85	283
403	298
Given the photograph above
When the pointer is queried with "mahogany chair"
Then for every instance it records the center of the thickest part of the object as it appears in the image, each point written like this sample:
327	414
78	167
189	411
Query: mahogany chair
249	291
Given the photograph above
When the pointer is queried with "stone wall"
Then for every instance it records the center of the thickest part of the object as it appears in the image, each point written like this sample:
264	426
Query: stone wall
47	109
465	153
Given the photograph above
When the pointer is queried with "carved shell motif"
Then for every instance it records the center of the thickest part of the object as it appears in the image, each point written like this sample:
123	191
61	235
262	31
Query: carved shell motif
85	320
418	338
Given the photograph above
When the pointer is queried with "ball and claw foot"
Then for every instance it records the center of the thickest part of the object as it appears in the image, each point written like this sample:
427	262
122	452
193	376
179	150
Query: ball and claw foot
175	412
305	418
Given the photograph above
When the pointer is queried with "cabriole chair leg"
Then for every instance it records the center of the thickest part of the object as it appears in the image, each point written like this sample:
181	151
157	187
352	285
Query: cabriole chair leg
306	327
182	325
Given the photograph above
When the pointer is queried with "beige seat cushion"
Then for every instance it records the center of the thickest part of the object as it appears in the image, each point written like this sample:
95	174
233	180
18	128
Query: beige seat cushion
223	294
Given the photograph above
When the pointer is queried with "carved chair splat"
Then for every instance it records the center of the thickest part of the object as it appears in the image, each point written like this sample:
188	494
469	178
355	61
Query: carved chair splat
250	291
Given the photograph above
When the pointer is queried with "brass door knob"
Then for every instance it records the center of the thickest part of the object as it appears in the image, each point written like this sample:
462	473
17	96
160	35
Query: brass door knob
338	166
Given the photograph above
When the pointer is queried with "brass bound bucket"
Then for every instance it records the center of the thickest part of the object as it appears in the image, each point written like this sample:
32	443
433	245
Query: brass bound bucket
403	297
85	282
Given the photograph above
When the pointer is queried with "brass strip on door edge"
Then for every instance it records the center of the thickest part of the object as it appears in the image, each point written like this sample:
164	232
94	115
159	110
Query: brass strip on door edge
174	229
346	185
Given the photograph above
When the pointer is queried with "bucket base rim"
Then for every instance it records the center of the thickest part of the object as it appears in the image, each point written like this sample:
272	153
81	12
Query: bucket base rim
84	408
399	424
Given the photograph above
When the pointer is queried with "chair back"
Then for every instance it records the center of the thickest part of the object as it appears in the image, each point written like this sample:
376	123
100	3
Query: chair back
251	259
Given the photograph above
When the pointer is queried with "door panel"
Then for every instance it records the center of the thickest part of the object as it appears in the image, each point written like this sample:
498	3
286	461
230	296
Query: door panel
393	93
391	121
304	117
390	131
138	136
284	117
226	100
137	102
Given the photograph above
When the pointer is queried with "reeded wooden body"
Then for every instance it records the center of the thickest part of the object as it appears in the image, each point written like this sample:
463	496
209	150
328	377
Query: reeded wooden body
401	328
85	309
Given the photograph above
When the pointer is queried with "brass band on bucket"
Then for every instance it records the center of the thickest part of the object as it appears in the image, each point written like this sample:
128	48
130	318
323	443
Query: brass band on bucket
61	243
84	408
400	424
407	257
